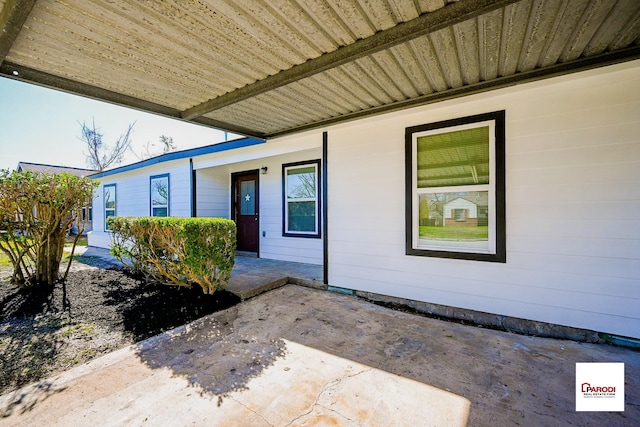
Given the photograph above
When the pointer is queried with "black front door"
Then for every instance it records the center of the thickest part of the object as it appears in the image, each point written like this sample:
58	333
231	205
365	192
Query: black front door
245	210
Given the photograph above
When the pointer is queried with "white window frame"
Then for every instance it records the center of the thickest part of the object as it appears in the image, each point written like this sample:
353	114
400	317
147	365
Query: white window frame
286	201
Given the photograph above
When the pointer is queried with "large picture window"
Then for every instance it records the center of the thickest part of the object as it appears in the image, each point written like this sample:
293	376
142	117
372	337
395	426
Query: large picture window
455	205
159	190
301	202
109	194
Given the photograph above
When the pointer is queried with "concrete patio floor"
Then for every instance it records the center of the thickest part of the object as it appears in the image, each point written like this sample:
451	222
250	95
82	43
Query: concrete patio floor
253	276
302	356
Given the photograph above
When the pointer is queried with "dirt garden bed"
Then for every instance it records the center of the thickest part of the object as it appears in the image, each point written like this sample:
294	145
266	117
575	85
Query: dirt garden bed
98	310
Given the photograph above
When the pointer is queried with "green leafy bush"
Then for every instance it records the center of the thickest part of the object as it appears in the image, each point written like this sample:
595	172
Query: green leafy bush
181	251
36	213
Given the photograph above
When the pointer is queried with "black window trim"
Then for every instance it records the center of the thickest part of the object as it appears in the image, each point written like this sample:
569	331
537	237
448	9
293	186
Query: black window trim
500	204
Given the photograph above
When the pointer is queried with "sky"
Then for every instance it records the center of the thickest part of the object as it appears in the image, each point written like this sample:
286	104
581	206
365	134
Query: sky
41	125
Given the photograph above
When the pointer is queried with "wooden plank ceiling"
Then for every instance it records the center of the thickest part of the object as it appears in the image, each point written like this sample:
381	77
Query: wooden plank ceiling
270	67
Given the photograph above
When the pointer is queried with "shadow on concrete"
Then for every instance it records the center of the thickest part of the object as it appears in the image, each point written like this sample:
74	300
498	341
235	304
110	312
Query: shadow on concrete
508	379
26	399
212	356
298	356
231	359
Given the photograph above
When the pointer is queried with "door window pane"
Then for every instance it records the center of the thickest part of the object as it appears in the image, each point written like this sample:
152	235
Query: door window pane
247	198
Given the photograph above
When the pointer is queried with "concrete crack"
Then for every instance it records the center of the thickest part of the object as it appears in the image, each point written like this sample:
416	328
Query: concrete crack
325	388
339	413
251	410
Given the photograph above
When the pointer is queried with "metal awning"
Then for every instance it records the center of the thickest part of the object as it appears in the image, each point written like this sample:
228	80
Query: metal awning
271	67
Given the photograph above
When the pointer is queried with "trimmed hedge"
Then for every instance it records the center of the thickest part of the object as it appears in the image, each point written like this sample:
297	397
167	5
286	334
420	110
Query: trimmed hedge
181	251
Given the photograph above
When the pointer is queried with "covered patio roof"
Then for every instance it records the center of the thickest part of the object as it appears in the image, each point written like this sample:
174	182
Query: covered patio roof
272	67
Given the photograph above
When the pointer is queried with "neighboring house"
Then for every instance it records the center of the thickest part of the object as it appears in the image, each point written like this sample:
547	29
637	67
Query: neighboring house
53	169
556	163
464	212
87	212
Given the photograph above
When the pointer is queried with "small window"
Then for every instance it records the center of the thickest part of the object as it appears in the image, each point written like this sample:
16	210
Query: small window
109	192
455	205
301	203
87	213
160	195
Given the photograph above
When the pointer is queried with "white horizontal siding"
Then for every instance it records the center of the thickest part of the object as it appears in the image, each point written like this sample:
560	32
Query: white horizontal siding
511	303
587	246
505	290
273	245
213	194
133	197
573	205
213	185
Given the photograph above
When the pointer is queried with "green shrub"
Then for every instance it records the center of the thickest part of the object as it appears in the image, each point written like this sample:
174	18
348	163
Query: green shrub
36	213
181	251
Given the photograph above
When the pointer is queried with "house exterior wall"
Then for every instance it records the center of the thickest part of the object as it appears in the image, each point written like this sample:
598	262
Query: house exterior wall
213	184
572	204
133	196
213	197
213	193
273	244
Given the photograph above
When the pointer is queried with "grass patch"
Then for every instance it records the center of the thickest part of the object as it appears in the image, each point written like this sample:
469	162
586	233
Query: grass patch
79	329
455	233
82	241
5	261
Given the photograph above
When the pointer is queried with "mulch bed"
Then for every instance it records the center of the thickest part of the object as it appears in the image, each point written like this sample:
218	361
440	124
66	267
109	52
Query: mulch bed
97	310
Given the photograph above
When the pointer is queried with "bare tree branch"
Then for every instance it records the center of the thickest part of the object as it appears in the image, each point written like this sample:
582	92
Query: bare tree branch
99	155
166	143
